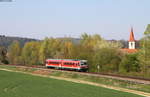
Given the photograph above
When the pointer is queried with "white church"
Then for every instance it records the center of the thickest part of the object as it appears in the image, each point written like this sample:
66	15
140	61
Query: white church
131	44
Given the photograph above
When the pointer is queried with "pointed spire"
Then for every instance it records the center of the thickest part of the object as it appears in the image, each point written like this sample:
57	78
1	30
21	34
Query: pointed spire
131	29
131	35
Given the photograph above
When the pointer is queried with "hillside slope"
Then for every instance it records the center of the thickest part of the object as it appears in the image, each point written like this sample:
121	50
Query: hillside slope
7	40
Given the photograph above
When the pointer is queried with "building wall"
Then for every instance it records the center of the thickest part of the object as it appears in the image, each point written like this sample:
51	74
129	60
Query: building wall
132	45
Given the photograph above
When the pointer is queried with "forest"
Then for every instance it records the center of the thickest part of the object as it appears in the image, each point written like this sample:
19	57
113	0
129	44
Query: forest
5	41
100	53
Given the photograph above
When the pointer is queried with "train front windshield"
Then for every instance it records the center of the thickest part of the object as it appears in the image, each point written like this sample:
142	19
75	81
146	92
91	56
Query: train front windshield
84	63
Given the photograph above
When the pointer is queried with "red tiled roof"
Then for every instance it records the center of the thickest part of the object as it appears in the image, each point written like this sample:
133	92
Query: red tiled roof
129	50
131	36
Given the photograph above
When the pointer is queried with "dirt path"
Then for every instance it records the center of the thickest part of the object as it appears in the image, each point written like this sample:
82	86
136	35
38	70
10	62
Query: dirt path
85	82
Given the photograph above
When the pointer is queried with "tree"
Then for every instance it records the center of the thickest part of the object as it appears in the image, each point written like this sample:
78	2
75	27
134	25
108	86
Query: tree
147	31
100	53
90	41
67	50
144	55
3	57
107	60
130	63
30	53
44	50
14	53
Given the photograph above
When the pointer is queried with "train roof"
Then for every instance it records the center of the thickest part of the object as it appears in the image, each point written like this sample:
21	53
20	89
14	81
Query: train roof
68	59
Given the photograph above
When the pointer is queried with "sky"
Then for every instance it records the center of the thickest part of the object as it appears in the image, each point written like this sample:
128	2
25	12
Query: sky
112	19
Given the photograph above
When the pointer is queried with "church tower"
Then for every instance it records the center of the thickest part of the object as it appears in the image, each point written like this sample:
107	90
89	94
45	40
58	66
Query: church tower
131	41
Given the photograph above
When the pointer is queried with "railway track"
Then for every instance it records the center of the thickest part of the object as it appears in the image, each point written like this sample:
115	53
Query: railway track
124	78
132	79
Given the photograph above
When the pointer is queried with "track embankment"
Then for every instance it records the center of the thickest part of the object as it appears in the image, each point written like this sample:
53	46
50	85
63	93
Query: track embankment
112	76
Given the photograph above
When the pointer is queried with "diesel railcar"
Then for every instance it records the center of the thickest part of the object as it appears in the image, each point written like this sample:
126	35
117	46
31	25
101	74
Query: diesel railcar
69	64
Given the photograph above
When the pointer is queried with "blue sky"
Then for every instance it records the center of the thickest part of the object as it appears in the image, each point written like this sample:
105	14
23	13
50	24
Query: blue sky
112	19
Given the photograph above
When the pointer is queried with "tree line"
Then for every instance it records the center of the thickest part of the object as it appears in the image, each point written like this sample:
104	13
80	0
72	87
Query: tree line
7	40
102	55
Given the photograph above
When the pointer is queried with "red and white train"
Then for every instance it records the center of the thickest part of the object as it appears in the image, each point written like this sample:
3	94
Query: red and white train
70	64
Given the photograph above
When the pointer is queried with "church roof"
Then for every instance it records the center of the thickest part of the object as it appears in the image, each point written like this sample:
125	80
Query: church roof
131	39
129	50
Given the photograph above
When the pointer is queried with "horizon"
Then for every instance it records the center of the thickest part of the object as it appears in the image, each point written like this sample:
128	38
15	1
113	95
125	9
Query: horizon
64	18
63	37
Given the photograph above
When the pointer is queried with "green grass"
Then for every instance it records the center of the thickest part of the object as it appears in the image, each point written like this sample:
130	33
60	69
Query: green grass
101	80
13	84
106	81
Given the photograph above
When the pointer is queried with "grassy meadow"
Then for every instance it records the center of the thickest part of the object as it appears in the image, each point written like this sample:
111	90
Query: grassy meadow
14	84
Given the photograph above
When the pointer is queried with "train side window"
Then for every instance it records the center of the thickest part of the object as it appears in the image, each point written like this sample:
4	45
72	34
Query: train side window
66	63
54	62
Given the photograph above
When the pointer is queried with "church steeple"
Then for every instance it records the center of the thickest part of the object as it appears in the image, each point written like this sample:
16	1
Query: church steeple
131	40
131	36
